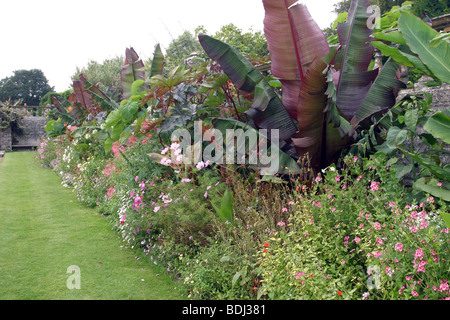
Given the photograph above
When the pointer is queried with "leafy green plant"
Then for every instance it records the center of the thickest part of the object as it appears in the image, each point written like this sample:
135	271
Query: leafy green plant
9	117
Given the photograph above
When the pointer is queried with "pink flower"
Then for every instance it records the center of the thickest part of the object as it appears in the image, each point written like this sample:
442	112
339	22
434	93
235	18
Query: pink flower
337	178
164	151
281	223
374	186
357	239
444	286
156	209
284	209
142	185
377	226
413	229
355	158
200	165
377	254
423	224
414	293
398	246
418	254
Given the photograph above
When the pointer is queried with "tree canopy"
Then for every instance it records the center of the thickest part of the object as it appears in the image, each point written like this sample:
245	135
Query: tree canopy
28	85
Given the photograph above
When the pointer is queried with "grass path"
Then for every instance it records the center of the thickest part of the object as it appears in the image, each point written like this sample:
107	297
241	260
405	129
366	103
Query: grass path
44	230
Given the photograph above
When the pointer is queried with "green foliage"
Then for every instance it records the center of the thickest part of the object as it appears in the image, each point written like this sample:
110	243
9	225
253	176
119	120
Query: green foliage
9	116
28	85
180	49
433	8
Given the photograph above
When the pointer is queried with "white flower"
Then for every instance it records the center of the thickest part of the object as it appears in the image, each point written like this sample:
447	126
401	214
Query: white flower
200	165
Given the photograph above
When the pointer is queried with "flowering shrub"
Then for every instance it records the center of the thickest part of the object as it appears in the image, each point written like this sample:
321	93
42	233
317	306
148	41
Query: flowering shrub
357	235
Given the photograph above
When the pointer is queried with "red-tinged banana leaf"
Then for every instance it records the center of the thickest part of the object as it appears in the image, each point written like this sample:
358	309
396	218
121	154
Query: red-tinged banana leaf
294	39
132	70
157	62
267	111
74	108
382	94
82	97
318	137
354	80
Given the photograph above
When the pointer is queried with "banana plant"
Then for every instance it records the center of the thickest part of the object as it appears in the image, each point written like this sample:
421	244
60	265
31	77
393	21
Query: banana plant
328	92
415	44
132	70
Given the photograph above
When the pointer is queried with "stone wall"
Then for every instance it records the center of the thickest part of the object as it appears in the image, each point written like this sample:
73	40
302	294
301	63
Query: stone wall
441	94
5	139
33	130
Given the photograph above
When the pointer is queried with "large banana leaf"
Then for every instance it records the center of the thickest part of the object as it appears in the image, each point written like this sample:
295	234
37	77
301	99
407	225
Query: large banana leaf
83	98
419	37
319	136
157	62
354	81
382	94
267	111
132	70
439	125
294	39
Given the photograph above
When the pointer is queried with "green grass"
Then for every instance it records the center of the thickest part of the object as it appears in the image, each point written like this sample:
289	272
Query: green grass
44	230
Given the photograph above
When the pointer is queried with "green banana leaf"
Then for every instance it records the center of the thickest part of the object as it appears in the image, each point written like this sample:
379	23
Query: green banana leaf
132	70
354	81
438	172
157	62
266	111
382	94
439	126
225	211
419	37
435	191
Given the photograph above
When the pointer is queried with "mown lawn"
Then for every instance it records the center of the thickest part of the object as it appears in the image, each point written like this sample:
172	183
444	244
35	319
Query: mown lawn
44	230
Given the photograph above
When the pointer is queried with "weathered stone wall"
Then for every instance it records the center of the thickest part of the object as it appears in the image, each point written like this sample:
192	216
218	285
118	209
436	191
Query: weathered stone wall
441	94
33	130
5	139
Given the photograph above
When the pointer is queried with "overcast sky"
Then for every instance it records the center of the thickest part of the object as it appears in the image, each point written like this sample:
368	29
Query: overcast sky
56	36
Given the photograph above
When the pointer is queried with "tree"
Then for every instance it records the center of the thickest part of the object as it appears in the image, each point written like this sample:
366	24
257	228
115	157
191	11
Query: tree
105	74
433	8
28	85
180	49
251	44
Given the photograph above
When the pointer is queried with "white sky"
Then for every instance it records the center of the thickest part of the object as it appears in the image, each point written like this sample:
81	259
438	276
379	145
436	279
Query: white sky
56	36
